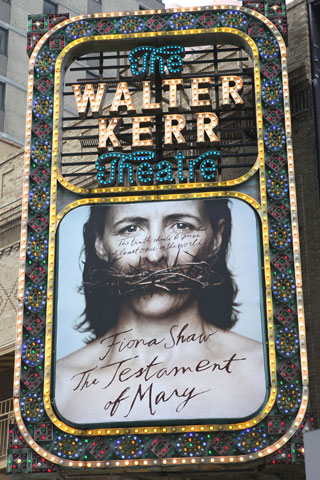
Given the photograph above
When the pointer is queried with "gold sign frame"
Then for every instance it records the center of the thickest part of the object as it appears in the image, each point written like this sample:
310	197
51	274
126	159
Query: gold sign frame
158	193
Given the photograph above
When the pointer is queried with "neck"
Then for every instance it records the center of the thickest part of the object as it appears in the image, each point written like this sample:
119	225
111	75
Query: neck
171	334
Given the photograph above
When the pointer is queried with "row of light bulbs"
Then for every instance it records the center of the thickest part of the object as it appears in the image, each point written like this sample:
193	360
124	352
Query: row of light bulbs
173	126
297	265
123	99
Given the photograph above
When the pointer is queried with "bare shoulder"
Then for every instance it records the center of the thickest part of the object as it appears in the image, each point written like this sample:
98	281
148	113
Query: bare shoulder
246	349
67	370
252	372
254	369
79	359
245	344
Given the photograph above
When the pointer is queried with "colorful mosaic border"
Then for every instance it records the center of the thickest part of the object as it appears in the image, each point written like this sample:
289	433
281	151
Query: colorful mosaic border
279	435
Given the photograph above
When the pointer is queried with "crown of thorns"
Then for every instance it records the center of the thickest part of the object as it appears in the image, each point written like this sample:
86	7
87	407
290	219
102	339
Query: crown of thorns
176	278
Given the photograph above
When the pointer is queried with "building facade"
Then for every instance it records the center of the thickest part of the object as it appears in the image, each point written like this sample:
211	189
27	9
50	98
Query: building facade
305	151
14	61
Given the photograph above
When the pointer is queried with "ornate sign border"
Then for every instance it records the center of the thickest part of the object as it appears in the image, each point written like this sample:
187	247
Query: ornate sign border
278	422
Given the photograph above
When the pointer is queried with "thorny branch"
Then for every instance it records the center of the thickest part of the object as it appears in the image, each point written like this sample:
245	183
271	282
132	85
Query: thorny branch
177	278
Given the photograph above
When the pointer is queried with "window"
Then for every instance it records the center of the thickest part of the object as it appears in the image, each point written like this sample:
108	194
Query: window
3	41
49	7
2	95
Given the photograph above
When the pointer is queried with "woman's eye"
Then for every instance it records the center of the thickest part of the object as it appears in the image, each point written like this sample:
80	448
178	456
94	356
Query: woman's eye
129	229
183	226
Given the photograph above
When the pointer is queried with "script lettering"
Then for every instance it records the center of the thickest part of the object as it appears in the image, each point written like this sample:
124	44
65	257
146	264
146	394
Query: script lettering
134	374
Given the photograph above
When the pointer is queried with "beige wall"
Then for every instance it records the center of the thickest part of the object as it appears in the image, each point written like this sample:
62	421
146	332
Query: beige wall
7	148
10	213
9	259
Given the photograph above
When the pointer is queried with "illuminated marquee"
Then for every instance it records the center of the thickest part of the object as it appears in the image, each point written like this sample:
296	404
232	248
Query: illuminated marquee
156	157
174	124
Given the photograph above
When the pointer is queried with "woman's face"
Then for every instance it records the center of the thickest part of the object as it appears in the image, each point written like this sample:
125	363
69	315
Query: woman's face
153	236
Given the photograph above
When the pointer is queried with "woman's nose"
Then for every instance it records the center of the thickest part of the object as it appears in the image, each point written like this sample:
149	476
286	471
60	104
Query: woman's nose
156	252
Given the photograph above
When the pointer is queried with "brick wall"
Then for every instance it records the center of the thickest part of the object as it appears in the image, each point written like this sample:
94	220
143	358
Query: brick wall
10	213
9	261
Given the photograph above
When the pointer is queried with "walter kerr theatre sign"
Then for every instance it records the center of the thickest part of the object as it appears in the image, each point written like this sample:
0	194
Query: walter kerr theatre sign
160	319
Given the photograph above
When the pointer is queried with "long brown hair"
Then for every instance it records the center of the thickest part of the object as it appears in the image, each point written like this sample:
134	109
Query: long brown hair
216	302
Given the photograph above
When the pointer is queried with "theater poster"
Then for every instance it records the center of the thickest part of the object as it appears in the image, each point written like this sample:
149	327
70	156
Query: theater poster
160	320
159	313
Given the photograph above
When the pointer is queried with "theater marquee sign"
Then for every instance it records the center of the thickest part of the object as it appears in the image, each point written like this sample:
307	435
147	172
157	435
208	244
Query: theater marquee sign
160	319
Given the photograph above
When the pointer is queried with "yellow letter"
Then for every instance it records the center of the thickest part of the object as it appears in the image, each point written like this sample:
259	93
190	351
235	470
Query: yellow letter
105	133
172	83
146	99
233	91
137	131
89	97
126	102
207	127
196	92
169	128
